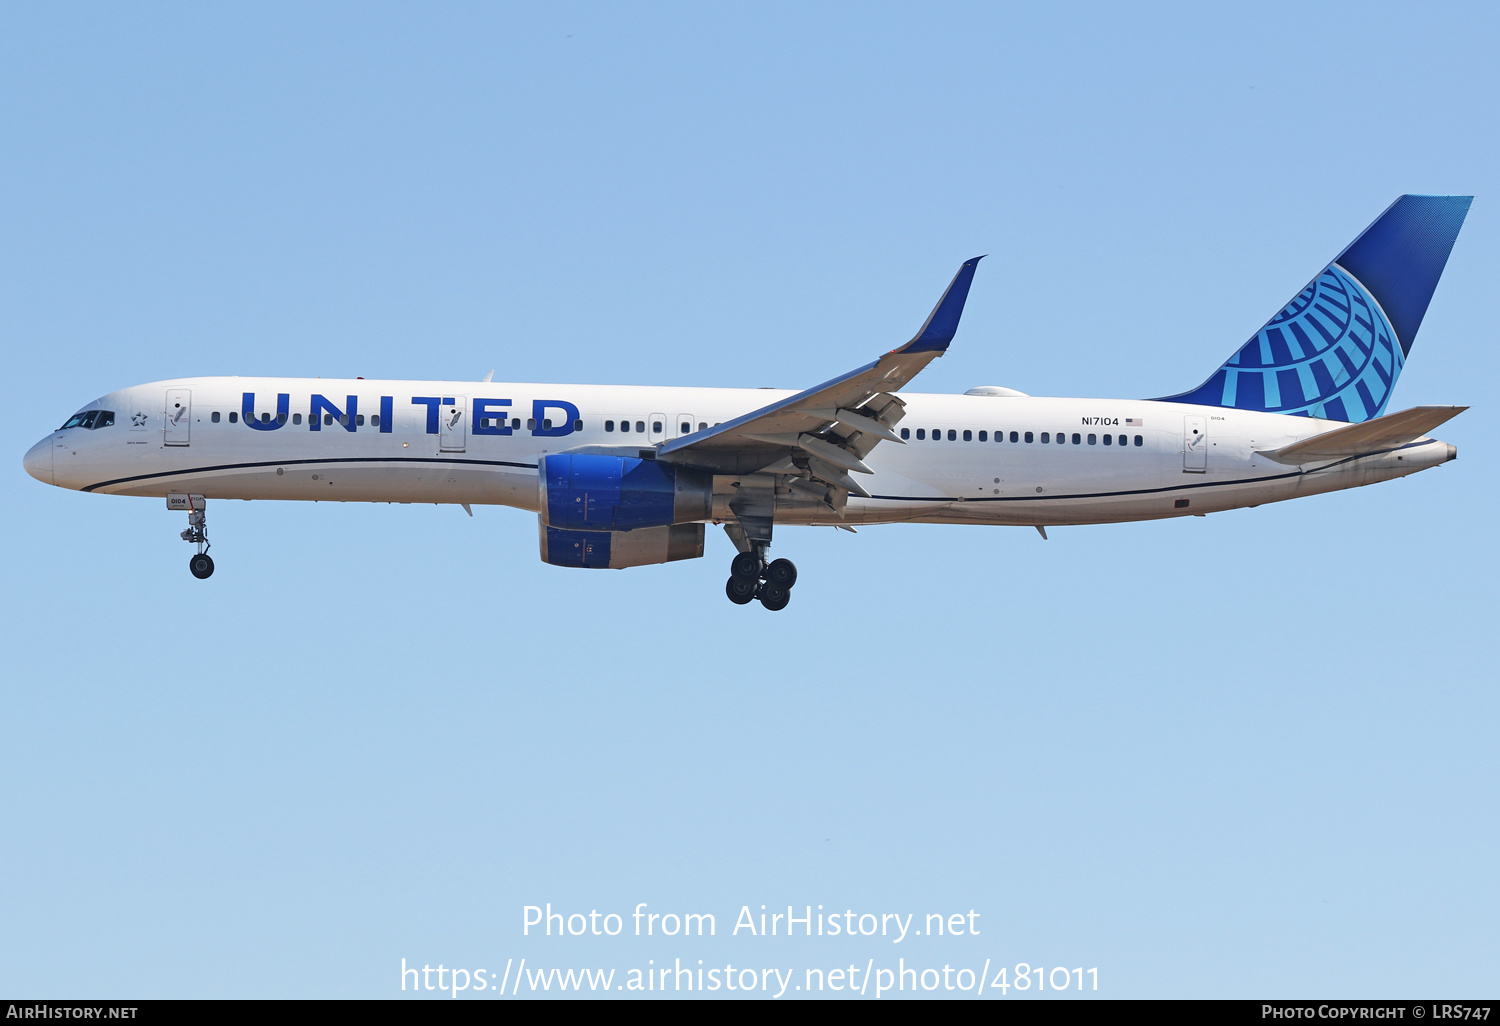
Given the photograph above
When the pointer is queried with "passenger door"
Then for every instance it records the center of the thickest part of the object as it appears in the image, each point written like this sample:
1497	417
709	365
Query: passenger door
1194	445
178	418
453	428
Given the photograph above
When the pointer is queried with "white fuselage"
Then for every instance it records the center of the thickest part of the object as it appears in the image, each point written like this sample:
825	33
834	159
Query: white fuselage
479	443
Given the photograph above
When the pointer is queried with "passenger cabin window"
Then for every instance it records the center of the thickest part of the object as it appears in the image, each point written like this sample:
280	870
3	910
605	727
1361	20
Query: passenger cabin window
359	420
578	425
547	424
906	432
609	425
1077	438
625	426
265	418
1109	439
921	433
640	427
984	436
686	427
327	419
1093	439
703	425
374	420
1122	439
1016	437
1028	437
1139	440
1045	438
234	418
296	418
214	417
656	426
515	425
530	423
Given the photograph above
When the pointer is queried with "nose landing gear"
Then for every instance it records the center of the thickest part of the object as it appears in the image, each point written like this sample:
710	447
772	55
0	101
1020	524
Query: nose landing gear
200	564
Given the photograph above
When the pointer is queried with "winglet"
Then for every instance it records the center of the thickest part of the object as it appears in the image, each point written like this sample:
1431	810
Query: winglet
942	323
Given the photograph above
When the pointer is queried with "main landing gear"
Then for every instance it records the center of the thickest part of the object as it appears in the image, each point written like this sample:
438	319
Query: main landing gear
200	564
750	578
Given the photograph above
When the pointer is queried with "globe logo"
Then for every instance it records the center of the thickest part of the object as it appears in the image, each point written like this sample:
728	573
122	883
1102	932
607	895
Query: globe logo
1330	353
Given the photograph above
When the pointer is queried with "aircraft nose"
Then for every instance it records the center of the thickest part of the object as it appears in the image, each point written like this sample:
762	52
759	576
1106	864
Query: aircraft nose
38	461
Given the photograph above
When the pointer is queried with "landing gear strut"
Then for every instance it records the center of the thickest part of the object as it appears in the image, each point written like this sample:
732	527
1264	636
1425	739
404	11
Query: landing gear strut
751	577
200	564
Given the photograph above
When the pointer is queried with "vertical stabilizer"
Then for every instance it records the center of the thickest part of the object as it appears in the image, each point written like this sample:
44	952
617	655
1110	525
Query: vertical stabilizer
1336	350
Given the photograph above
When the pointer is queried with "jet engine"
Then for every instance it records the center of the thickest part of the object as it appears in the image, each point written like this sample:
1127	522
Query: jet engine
602	511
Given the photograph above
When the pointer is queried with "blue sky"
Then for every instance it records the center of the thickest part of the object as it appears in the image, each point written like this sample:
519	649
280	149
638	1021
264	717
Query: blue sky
1250	754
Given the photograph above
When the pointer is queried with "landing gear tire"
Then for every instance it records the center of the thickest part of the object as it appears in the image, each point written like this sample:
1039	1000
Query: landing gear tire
774	597
201	566
782	573
746	565
740	590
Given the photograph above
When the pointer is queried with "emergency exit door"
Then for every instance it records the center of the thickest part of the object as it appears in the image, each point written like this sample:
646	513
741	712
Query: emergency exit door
177	422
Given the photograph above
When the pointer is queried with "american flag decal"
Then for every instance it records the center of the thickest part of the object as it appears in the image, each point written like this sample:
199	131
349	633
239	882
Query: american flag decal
1134	422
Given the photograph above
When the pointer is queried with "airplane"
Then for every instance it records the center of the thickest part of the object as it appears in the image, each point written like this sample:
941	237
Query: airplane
624	476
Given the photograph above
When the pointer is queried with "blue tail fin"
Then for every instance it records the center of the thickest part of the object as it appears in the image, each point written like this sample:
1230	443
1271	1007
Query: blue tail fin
1336	349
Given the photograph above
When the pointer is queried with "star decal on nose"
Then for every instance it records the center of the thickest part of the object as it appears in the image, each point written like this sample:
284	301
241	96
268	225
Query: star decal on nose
138	419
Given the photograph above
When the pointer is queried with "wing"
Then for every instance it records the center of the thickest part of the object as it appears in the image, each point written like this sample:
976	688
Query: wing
825	432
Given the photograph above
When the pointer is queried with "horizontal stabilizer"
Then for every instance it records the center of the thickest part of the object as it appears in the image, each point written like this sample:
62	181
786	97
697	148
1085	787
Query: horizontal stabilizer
1379	435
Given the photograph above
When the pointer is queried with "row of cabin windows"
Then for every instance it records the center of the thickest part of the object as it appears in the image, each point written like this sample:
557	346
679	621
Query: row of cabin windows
359	421
1047	437
1060	438
515	424
265	418
683	428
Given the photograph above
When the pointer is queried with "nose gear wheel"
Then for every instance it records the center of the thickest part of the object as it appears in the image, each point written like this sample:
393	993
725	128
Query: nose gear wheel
200	565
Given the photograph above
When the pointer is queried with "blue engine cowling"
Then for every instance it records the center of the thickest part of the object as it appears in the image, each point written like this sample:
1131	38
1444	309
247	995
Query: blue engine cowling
615	550
619	493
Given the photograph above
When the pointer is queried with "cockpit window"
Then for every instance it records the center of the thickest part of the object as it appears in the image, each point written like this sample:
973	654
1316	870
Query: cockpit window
90	419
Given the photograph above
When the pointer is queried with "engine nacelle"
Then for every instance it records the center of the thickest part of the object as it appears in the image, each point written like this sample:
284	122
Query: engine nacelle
615	550
619	493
